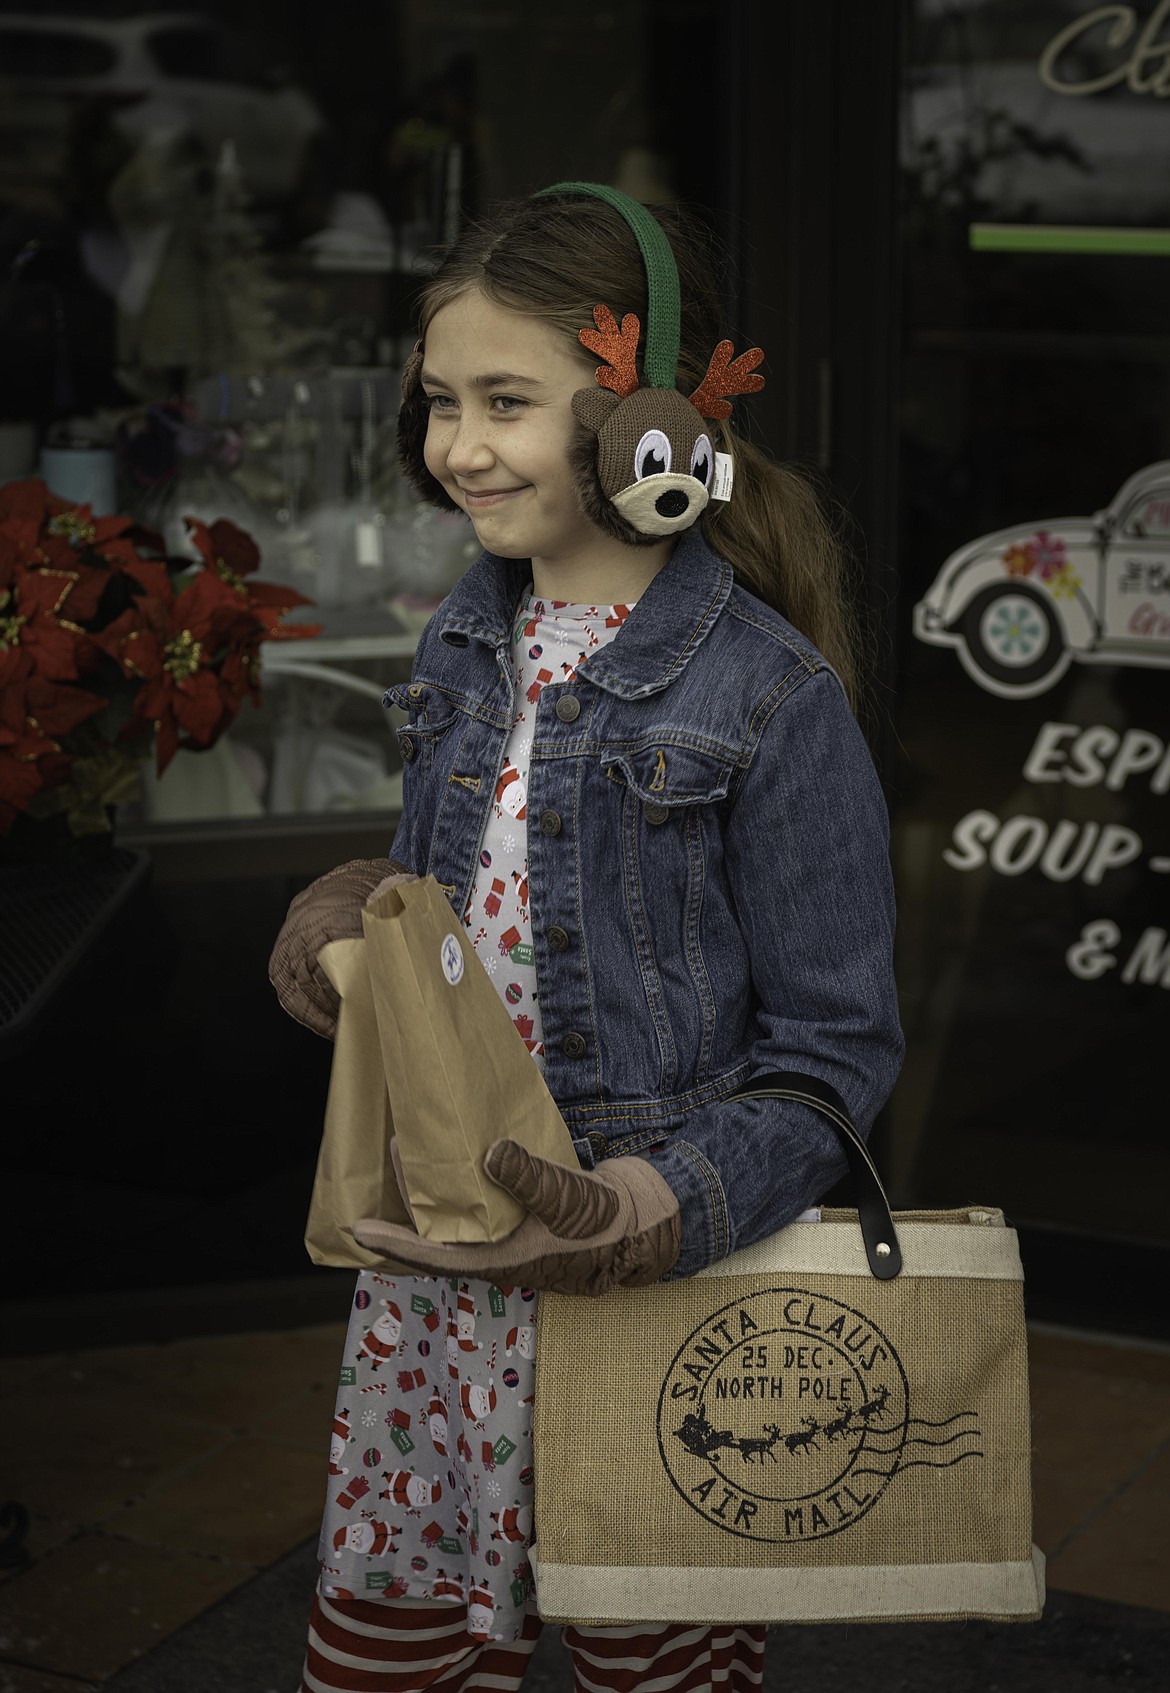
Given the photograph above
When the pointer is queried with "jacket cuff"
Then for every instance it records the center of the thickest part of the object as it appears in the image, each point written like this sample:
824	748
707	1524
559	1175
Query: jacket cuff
702	1204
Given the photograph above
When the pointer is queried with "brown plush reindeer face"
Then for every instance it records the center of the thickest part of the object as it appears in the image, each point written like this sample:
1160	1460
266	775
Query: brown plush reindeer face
655	458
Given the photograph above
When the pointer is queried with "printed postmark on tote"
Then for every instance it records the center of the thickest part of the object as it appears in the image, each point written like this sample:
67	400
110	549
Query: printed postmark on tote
785	1415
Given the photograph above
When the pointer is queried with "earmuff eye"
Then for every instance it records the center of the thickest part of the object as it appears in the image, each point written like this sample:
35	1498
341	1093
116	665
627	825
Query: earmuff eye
651	455
702	460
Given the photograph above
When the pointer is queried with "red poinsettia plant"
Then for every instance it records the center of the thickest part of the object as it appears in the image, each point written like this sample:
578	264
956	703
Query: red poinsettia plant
109	649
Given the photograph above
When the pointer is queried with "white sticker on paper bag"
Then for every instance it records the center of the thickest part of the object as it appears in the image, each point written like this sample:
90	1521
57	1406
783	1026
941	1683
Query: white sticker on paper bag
451	958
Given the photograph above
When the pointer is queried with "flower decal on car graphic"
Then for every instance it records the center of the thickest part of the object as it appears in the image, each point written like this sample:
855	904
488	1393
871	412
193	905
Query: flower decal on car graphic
1043	556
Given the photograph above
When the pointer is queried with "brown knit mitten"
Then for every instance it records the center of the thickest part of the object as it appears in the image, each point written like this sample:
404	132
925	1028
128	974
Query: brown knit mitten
586	1232
329	909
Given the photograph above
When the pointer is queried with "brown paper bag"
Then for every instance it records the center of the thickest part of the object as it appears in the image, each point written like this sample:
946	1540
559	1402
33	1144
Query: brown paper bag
458	1073
355	1177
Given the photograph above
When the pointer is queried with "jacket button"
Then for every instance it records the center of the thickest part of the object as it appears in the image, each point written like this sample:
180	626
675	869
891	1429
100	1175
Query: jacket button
573	1045
655	813
568	708
598	1144
550	822
557	938
407	748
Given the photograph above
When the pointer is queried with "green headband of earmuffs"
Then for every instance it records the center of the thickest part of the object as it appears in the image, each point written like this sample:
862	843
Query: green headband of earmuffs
662	317
655	463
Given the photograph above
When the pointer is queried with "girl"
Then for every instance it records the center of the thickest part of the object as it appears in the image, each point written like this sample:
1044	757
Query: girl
631	762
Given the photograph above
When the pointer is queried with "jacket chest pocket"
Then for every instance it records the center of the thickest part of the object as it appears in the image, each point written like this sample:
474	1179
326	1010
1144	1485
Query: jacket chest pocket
672	807
430	715
664	780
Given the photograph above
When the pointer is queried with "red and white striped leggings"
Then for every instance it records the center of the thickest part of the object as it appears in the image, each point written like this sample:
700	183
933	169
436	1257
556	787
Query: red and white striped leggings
396	1646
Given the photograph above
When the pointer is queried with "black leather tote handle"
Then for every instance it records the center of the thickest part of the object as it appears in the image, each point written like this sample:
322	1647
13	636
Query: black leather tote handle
873	1208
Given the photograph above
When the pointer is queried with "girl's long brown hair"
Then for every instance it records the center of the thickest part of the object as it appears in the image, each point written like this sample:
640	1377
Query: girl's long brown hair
558	256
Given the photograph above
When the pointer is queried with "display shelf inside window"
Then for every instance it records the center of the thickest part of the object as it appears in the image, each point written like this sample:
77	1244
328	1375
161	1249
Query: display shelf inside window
321	741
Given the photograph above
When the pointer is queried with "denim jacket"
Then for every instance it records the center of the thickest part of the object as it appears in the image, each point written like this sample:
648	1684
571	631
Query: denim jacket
709	881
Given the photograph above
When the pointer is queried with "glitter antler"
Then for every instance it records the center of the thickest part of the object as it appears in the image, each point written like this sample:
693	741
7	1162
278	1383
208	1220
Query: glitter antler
725	377
618	347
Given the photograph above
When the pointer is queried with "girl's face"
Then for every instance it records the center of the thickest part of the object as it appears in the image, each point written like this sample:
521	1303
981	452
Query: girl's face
499	386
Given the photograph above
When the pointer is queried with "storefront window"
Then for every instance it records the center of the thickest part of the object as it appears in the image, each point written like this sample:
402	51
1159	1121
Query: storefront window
212	226
1033	839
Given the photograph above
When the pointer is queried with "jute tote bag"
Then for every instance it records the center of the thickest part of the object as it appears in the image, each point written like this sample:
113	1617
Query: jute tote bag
830	1425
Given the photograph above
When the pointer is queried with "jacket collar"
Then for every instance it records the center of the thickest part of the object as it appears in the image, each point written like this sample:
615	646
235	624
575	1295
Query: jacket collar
663	632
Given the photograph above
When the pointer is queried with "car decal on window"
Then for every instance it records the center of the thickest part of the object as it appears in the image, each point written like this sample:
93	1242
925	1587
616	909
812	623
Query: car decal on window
1019	605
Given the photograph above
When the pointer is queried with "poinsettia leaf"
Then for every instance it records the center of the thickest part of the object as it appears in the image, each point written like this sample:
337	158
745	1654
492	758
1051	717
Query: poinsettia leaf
56	550
226	549
110	638
235	547
197	705
107	529
239	678
204	600
82	588
268	597
26	742
52	649
56	708
119	552
153	576
40	591
15	665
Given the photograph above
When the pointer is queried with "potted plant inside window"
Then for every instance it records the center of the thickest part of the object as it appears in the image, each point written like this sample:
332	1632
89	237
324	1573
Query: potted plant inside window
111	650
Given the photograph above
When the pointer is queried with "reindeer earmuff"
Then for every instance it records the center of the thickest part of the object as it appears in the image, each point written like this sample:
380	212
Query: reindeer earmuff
655	461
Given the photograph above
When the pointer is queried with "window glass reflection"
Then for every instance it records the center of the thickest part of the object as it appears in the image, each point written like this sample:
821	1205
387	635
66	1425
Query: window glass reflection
1035	454
212	225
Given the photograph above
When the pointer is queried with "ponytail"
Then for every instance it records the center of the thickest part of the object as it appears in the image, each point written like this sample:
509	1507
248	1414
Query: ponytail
777	537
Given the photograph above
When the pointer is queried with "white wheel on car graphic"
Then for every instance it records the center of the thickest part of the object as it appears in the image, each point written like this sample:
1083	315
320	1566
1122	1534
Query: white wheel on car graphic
1013	642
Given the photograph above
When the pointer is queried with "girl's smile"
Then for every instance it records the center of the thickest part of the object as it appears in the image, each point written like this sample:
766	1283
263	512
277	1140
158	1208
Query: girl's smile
483	498
499	385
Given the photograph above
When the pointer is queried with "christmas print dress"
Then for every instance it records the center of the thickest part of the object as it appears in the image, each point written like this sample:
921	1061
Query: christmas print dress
430	1472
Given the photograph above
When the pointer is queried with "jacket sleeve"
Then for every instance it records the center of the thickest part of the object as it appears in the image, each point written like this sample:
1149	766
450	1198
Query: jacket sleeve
807	856
405	847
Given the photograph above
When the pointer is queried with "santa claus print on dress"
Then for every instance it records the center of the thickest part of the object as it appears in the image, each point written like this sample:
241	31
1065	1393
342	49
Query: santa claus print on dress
381	1343
511	794
406	1522
551	640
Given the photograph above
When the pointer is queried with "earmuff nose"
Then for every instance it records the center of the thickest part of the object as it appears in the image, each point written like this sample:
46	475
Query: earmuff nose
661	504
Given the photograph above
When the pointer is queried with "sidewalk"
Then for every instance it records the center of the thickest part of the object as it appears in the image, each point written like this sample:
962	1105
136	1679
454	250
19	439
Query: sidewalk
175	1492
